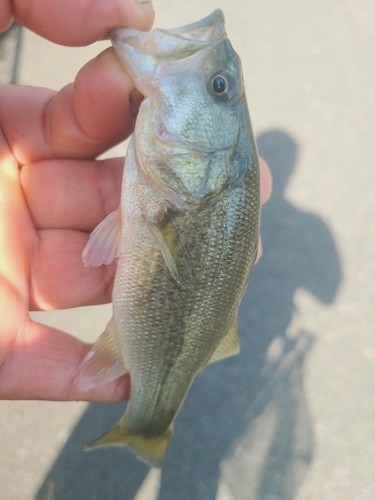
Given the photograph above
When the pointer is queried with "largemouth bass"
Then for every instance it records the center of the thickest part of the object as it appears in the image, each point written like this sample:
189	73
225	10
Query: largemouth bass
185	233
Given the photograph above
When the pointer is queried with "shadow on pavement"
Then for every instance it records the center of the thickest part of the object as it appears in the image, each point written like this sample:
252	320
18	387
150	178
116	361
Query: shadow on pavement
245	429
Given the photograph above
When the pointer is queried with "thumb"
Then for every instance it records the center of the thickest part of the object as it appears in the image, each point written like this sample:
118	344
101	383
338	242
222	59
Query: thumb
78	23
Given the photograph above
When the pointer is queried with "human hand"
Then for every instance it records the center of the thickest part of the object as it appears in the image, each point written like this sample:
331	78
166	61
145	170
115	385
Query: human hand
53	193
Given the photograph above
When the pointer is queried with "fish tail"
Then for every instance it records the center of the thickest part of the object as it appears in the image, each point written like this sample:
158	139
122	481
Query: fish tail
151	449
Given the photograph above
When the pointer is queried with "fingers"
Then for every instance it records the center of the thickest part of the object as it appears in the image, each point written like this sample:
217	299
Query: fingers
95	113
6	16
63	196
16	241
81	121
76	23
266	190
43	363
72	194
265	181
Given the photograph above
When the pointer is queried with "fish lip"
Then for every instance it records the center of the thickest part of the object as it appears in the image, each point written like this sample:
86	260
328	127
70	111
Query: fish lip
216	18
207	32
114	33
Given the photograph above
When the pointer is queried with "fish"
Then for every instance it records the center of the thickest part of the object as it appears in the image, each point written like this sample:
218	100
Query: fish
185	233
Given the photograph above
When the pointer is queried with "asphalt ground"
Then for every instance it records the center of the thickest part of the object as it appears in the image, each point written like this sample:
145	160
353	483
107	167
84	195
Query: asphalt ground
293	416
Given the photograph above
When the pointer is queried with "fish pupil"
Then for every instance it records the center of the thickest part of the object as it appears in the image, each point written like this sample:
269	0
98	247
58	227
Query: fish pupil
219	85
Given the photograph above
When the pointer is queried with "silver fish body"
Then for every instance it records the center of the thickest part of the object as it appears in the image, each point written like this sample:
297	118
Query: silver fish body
186	232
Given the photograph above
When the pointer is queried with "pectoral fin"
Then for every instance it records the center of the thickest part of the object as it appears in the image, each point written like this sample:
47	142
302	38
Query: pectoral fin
102	363
229	346
167	238
104	243
151	449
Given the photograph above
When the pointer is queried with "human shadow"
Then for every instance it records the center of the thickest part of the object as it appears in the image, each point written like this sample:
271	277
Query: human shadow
245	426
10	50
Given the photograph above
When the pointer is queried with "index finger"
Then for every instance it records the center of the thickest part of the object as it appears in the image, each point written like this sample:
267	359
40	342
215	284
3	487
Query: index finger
76	22
81	121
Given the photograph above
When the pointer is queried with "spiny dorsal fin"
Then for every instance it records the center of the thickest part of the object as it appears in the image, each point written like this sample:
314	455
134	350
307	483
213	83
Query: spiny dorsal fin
102	363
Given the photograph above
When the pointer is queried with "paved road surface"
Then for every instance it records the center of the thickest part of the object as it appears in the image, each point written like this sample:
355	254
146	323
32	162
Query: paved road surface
293	417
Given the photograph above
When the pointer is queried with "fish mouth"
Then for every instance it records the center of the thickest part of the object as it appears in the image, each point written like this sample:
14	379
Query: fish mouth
176	43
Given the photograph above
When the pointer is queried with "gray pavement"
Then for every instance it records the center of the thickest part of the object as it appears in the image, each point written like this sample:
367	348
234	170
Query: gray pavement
293	416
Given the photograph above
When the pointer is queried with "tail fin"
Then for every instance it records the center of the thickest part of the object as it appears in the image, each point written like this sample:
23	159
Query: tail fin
151	449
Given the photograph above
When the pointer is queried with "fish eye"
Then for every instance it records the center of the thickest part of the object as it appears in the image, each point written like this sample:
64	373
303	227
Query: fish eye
223	86
219	85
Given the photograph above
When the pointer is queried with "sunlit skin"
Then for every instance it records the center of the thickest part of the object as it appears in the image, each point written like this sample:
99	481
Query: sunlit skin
53	193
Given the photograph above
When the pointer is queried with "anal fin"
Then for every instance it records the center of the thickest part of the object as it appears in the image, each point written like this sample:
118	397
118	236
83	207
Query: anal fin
229	346
102	363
